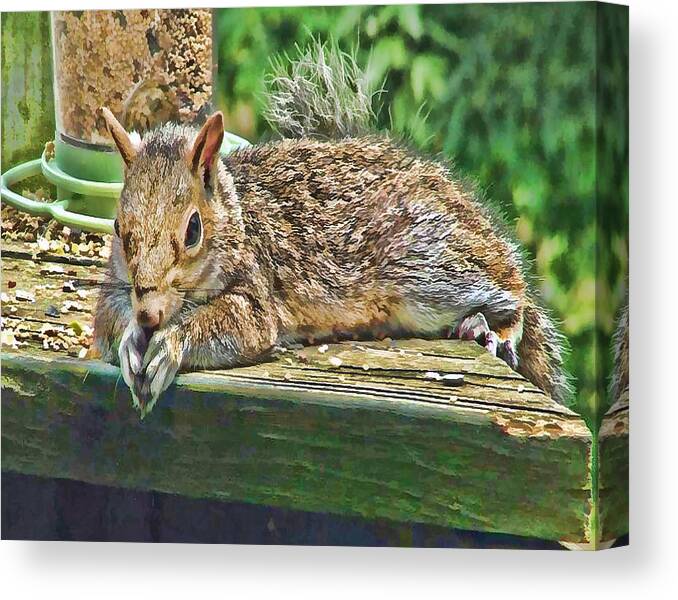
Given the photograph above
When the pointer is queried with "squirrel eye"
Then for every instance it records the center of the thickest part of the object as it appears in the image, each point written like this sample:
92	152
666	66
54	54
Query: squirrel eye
116	227
193	231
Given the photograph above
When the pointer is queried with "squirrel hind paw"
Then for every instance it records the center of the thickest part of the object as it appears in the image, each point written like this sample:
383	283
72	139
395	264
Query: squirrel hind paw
474	327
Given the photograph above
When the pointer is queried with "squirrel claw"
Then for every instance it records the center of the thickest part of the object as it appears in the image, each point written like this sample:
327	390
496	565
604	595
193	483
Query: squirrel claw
508	354
130	352
162	361
492	342
160	373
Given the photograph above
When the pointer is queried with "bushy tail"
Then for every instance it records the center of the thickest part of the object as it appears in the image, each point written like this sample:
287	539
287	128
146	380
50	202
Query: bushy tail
320	92
540	352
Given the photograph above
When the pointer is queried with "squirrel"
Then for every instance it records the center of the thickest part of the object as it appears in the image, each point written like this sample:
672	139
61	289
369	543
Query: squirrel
217	260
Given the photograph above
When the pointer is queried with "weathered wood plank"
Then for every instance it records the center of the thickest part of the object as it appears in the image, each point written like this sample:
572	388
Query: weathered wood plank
320	448
52	285
405	360
613	468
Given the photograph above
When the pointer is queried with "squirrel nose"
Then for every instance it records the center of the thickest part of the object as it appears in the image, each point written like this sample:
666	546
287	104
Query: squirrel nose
149	320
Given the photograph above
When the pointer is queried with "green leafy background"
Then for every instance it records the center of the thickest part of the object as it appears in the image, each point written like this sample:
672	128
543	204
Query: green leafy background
530	100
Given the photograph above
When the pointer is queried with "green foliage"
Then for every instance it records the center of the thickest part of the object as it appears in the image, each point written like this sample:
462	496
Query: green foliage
512	94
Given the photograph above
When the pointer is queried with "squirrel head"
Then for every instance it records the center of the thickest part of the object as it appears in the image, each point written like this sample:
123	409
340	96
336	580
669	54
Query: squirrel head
178	217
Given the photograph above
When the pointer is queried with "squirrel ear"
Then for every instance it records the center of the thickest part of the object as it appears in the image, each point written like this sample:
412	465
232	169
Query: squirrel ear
206	146
121	138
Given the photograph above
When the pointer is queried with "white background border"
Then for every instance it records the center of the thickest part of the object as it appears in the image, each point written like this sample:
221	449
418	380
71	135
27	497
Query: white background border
647	568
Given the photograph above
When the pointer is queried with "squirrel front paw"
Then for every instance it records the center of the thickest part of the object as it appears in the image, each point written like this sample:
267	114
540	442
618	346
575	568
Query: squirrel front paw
161	362
131	351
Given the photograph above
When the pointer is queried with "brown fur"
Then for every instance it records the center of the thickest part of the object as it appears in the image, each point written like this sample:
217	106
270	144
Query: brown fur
313	239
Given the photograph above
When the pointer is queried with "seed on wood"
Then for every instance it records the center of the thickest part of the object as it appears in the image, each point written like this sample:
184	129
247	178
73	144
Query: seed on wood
51	330
24	296
334	361
52	270
70	305
453	380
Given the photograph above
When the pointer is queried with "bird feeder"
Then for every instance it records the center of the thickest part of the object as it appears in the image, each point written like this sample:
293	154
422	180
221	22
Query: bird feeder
148	67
